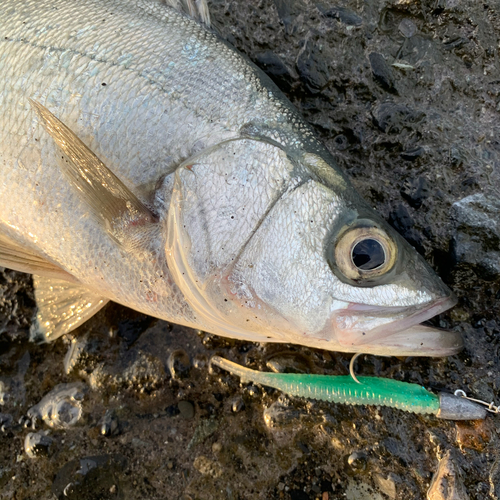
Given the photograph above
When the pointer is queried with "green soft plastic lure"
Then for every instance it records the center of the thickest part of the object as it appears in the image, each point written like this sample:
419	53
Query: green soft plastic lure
369	391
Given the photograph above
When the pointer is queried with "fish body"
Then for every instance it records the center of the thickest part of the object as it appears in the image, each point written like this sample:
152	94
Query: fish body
238	222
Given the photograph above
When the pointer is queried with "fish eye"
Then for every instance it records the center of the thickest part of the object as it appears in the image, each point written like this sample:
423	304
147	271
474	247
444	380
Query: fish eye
368	254
364	252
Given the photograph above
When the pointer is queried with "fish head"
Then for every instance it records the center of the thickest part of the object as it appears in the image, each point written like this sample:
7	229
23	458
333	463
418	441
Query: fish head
268	246
388	290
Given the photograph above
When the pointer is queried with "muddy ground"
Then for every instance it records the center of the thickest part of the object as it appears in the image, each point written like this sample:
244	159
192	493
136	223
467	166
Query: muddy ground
406	95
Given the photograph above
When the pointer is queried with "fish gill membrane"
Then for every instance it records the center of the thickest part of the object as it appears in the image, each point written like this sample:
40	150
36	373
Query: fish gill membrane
146	162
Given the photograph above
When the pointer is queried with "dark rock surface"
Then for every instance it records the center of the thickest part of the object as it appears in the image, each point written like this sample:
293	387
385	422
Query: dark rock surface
476	243
90	478
419	136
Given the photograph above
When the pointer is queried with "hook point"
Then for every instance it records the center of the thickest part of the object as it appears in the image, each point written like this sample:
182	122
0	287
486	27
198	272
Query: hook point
351	367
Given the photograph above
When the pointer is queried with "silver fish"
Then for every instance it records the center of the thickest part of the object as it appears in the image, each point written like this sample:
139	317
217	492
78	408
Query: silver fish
144	161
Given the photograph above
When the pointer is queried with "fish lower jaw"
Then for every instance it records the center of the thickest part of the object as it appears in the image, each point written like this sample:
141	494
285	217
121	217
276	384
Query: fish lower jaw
405	336
422	340
418	340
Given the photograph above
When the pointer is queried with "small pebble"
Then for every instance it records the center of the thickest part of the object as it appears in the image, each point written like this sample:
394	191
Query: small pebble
186	409
5	421
200	361
382	72
237	405
252	390
37	444
344	15
207	467
204	430
109	424
407	28
357	461
3	392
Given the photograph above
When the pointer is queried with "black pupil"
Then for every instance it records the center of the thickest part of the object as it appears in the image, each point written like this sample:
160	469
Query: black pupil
368	255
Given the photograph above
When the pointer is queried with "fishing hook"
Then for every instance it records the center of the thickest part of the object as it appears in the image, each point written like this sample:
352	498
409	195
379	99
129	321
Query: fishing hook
351	367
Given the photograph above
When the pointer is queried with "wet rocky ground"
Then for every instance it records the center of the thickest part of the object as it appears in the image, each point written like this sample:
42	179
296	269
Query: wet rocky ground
407	97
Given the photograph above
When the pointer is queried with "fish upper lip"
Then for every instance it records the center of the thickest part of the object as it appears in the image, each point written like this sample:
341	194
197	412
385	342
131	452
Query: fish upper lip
409	316
419	316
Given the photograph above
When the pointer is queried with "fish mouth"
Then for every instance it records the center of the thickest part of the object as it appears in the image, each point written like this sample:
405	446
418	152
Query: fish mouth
396	331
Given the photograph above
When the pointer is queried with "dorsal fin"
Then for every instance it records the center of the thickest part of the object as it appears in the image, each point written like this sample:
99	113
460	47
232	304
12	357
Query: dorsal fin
197	9
112	204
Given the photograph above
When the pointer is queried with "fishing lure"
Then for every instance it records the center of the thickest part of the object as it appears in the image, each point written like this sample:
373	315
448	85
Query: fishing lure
368	391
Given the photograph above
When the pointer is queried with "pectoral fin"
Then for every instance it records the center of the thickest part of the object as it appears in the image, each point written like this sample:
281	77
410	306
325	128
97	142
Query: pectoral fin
62	307
112	204
15	256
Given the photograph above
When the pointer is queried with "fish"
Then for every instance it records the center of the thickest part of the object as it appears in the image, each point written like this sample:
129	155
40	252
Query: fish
144	161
